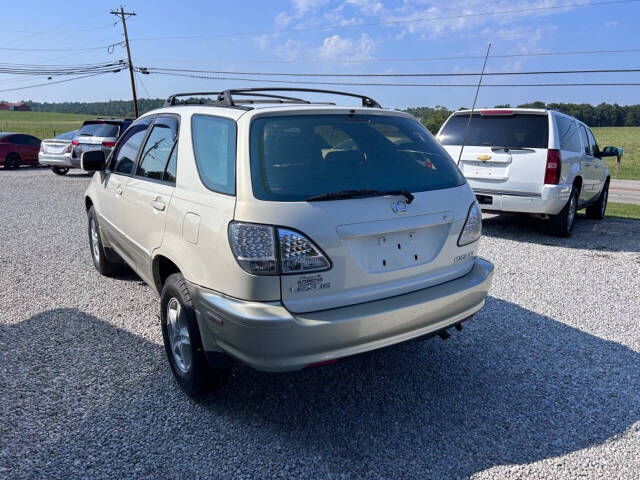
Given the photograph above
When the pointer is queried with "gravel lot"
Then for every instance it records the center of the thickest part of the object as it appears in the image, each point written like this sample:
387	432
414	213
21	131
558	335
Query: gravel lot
543	383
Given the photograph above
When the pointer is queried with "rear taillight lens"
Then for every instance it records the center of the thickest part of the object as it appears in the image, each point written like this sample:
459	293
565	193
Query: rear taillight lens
269	250
554	165
472	229
75	142
70	147
108	144
42	147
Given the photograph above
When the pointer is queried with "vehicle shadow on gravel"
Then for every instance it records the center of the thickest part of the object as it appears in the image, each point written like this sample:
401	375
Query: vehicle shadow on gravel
611	234
513	387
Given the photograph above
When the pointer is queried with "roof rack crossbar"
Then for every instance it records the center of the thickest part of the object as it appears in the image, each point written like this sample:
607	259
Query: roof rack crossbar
225	98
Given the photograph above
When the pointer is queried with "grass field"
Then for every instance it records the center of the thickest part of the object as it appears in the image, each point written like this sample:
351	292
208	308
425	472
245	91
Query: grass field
629	139
623	210
40	124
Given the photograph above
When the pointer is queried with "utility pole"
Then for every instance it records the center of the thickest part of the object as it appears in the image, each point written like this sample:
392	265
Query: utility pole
123	15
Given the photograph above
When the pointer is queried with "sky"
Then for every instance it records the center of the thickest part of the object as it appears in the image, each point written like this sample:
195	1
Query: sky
329	37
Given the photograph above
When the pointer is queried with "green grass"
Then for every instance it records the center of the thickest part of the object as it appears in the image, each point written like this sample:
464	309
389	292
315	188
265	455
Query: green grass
629	139
623	210
40	124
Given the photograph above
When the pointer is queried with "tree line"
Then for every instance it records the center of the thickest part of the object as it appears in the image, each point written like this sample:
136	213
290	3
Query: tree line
602	115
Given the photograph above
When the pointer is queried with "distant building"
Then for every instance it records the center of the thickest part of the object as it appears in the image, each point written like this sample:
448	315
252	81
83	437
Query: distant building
15	106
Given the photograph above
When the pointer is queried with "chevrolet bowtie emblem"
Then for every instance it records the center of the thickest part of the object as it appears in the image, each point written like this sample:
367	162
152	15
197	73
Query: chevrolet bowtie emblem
484	158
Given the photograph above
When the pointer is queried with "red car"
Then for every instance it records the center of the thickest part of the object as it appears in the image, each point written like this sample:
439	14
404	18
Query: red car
18	149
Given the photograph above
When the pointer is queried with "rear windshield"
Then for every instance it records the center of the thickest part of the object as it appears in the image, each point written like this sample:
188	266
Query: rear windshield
99	130
296	157
67	135
513	131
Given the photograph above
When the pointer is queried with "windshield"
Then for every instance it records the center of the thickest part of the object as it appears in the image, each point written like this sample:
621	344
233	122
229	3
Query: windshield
99	130
294	158
513	131
67	135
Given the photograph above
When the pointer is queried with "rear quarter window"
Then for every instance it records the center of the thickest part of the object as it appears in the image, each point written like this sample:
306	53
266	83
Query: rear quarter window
214	146
513	131
568	134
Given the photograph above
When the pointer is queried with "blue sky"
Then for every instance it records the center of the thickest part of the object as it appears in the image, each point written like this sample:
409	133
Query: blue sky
230	36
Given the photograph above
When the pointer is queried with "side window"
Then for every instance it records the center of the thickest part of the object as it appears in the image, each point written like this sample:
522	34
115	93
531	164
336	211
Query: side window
214	145
170	172
594	145
568	134
585	140
158	148
124	155
33	141
16	140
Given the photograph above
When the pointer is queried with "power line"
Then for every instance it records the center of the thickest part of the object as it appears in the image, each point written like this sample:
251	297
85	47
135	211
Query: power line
123	18
377	84
77	49
56	70
392	22
53	82
392	75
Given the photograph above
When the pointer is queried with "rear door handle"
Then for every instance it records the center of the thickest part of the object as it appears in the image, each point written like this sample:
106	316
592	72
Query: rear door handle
158	205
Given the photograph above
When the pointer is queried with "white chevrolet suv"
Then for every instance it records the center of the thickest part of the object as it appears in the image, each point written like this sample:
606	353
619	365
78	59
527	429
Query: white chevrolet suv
286	234
532	161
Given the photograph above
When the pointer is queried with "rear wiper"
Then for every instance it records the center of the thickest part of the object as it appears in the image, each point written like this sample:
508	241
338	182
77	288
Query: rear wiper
365	192
506	149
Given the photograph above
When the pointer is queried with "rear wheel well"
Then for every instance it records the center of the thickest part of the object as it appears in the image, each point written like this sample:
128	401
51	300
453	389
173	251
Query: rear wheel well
577	182
162	268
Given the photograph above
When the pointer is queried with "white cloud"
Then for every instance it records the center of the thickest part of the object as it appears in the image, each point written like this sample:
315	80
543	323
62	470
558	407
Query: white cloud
339	48
303	6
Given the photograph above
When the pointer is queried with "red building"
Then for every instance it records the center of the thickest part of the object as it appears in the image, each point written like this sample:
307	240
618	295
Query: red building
15	106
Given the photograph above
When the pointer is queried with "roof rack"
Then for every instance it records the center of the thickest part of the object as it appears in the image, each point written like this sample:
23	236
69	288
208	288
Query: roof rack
226	98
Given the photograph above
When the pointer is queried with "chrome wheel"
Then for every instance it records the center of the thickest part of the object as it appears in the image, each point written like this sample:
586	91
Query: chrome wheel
95	240
178	334
571	214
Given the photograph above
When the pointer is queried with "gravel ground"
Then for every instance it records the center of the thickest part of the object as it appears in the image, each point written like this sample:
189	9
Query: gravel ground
543	383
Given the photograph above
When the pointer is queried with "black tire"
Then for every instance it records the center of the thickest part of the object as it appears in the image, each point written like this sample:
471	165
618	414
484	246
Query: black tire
195	376
12	161
561	224
596	210
60	170
103	260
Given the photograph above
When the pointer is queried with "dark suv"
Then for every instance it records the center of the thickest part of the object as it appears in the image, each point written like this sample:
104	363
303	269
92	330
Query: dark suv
101	133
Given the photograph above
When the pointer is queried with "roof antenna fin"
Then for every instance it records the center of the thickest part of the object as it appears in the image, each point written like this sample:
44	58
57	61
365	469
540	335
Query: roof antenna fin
473	107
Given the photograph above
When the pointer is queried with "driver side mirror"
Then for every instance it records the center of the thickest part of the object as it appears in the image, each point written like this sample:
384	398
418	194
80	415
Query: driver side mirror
93	161
611	152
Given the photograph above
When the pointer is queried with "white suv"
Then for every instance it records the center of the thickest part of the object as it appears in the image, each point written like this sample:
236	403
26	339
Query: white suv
286	234
530	160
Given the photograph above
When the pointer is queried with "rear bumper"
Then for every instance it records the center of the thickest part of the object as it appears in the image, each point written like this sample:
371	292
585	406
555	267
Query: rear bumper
552	199
59	160
268	337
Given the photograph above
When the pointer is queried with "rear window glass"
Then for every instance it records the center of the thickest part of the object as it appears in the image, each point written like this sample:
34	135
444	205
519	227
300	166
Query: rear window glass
99	130
513	131
67	135
296	157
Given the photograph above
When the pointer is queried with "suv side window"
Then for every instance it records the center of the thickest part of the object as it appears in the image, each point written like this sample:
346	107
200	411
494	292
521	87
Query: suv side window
124	155
594	145
585	140
214	146
568	134
158	148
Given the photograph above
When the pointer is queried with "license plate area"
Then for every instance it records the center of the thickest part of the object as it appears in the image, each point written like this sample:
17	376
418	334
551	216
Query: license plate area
486	170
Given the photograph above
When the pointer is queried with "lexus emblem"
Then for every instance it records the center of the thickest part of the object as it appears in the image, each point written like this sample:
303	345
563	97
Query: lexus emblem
399	206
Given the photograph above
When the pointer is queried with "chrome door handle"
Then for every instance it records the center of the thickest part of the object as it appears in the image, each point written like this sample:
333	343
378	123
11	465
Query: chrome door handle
158	205
119	190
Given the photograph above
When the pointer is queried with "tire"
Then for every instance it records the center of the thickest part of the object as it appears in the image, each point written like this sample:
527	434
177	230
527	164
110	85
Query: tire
12	161
102	260
561	224
182	341
60	170
597	210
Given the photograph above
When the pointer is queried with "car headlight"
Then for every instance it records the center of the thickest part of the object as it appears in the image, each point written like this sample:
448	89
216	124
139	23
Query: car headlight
472	229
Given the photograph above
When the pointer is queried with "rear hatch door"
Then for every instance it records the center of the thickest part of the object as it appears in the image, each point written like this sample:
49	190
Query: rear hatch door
505	152
379	245
54	146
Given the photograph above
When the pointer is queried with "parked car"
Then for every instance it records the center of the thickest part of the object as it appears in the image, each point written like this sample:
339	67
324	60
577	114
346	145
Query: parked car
286	236
18	149
534	161
99	134
56	153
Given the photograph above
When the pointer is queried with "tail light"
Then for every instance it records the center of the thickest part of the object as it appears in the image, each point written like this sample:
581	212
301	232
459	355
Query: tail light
70	147
268	250
75	142
472	229
108	144
42	147
554	165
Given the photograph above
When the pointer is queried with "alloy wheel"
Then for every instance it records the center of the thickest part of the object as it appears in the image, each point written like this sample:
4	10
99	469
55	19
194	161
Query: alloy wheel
178	334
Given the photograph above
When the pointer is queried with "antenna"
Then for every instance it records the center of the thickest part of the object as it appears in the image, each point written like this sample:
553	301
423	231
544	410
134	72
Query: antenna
473	107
